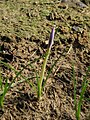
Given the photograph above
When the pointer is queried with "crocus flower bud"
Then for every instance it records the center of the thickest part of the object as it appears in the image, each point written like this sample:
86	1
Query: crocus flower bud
51	40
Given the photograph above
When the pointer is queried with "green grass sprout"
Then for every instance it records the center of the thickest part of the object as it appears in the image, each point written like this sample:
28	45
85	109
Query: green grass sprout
3	92
83	90
40	81
5	86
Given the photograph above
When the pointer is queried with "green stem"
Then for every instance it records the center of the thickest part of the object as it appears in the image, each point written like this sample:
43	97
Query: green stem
42	73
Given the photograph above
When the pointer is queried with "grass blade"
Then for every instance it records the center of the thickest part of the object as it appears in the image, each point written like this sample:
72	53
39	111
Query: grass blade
84	87
4	93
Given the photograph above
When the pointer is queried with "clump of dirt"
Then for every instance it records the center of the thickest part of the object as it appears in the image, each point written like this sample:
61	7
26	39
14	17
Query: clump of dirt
25	27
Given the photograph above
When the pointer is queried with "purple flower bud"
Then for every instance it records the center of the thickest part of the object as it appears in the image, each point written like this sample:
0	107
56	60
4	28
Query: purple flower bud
51	40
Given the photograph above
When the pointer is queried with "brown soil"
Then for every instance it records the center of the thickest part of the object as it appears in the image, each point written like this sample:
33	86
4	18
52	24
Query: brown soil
25	27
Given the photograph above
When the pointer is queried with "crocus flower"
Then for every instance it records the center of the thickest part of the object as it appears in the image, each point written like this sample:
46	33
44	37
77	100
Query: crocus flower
40	81
51	40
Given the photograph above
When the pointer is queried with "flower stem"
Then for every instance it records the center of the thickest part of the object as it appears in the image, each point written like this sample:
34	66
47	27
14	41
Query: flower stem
40	81
42	73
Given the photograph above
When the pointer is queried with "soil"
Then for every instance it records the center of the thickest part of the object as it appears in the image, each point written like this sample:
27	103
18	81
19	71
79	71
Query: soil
25	27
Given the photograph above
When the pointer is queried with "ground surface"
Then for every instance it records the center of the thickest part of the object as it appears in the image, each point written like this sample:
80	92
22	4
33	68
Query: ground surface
25	27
